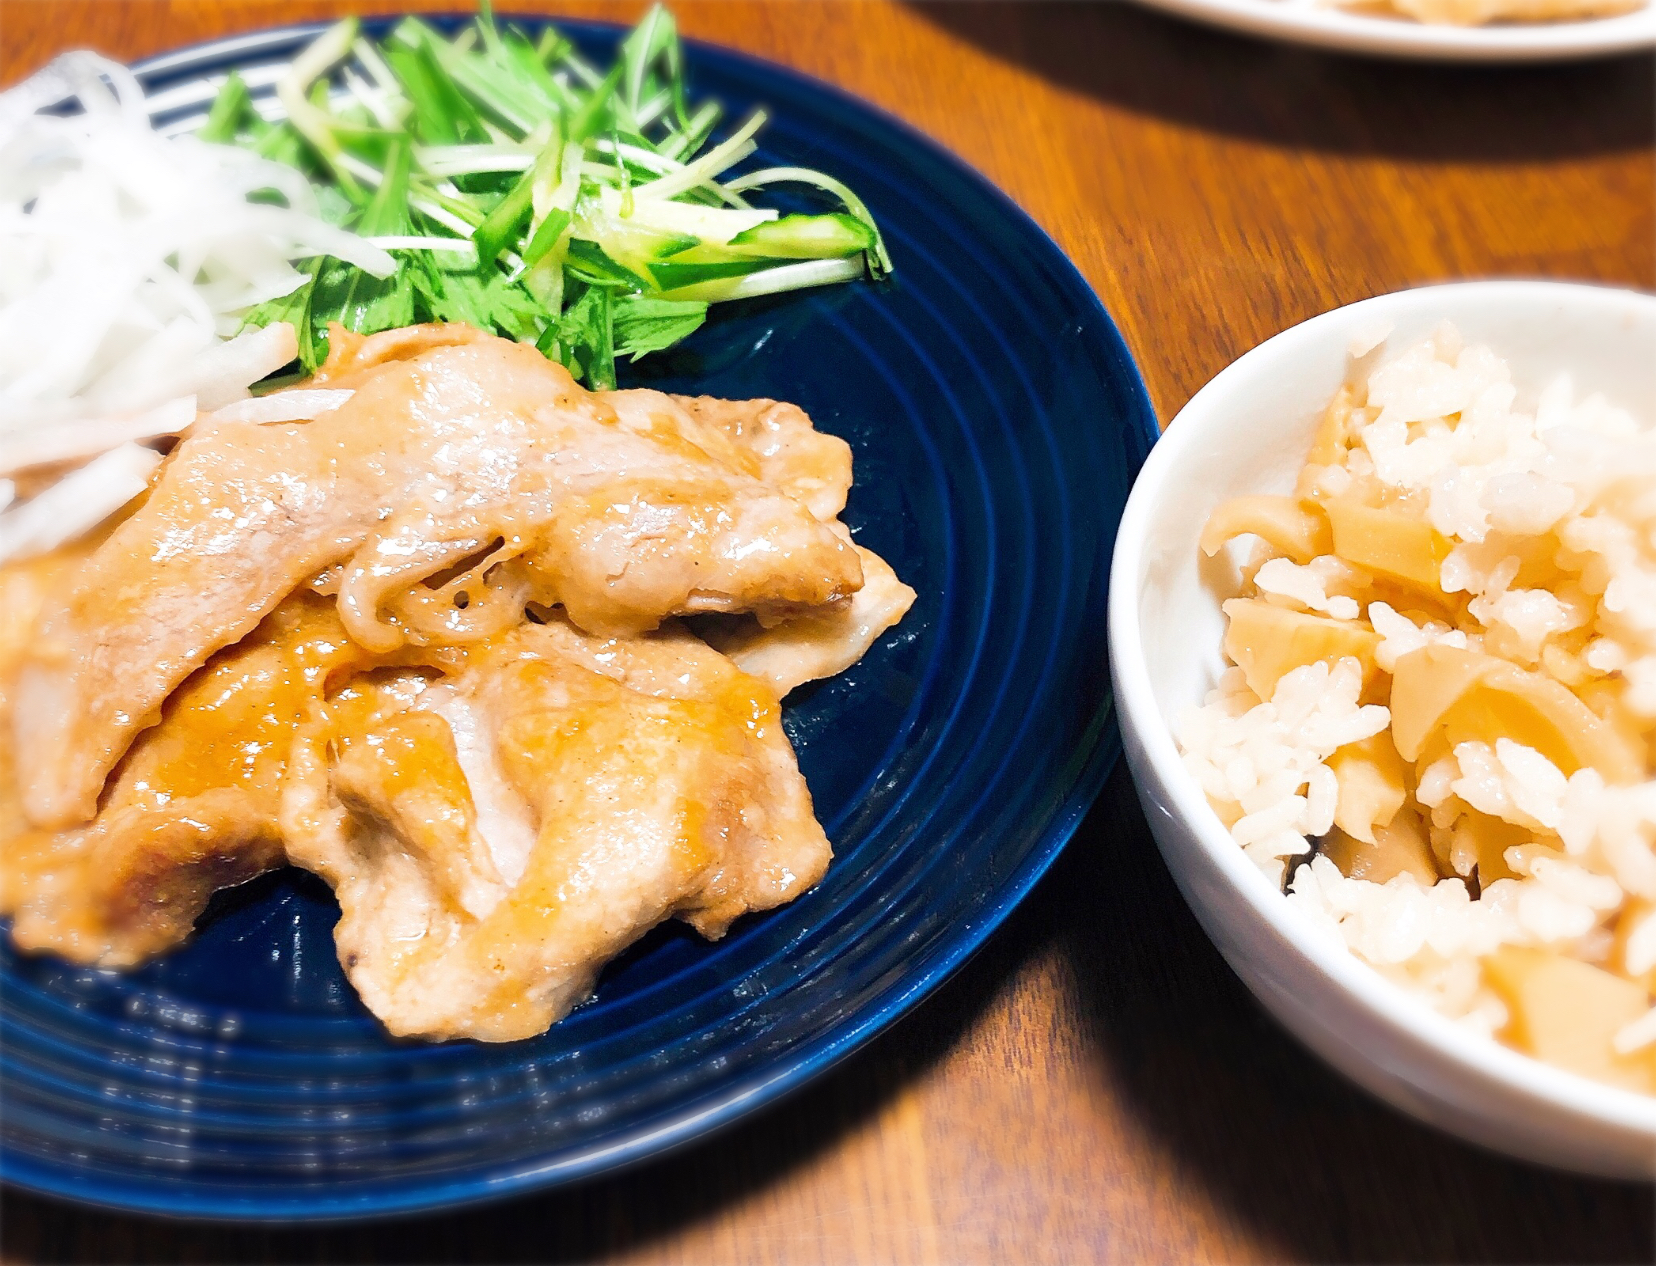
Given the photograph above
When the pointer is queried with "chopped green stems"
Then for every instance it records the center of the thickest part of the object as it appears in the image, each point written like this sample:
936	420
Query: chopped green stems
545	182
636	155
626	207
374	64
365	172
653	163
591	114
567	192
388	211
695	133
312	122
452	245
440	210
502	223
476	160
485	90
371	99
228	107
581	70
770	281
651	110
729	151
490	32
550	45
524	191
649	39
805	176
546	237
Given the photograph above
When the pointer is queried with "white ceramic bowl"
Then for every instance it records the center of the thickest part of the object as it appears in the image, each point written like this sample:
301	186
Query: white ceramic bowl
1418	41
1248	431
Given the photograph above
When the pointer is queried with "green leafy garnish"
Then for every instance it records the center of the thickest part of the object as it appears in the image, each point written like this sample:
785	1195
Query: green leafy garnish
587	211
643	325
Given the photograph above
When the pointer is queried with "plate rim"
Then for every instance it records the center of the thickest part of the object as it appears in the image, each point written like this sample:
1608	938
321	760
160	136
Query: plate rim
1404	40
796	1069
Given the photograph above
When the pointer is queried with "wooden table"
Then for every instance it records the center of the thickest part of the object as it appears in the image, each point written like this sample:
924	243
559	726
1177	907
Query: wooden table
1096	1085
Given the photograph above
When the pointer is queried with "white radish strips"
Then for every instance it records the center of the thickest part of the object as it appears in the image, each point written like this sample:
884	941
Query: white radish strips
131	259
299	405
81	438
76	503
223	373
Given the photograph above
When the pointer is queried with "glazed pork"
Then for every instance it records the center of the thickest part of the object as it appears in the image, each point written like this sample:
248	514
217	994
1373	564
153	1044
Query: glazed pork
432	460
428	645
494	838
815	470
191	809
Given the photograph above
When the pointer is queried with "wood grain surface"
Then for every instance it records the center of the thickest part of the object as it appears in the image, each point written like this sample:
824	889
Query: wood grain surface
1096	1085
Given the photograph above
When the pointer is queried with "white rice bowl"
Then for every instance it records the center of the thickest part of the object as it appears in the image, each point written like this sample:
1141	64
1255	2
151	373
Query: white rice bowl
1383	979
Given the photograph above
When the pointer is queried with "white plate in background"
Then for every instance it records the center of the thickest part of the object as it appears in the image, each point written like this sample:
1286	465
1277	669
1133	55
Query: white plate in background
1300	23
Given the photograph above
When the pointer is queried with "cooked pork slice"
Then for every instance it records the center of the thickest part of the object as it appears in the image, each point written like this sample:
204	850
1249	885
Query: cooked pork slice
26	588
811	466
816	643
352	355
132	884
495	842
192	809
464	448
789	648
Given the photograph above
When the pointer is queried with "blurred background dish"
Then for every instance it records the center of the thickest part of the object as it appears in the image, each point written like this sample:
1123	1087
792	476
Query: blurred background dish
1382	33
1248	431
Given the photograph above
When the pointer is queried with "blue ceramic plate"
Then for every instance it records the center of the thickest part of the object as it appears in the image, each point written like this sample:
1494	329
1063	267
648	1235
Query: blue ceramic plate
997	421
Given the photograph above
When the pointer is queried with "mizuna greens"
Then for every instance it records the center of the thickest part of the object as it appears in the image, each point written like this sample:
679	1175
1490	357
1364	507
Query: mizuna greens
524	190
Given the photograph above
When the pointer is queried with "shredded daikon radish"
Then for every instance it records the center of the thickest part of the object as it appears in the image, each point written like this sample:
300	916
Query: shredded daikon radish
81	438
127	259
76	503
285	406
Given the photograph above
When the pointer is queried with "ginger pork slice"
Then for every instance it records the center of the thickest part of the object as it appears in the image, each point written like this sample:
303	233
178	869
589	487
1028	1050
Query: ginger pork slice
817	643
494	842
779	443
191	809
811	466
463	447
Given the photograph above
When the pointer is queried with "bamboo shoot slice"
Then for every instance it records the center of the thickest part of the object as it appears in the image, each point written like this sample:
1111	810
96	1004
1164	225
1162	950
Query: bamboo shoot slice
1487	838
1565	1012
1293	527
1373	785
1329	446
1388	542
1472	697
1399	848
1267	642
